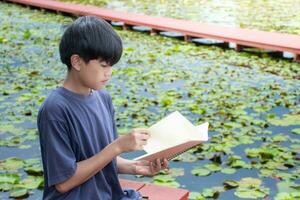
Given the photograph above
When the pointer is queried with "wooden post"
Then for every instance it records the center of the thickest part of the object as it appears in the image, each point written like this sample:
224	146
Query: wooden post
297	58
125	27
153	32
187	38
239	47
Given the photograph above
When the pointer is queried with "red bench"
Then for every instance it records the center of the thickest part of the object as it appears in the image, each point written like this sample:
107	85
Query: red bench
155	192
241	37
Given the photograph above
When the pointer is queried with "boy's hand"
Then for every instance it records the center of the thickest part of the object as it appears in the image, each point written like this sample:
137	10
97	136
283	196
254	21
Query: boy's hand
147	168
134	140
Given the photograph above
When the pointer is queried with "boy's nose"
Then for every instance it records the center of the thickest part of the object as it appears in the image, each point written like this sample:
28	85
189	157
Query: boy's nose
107	74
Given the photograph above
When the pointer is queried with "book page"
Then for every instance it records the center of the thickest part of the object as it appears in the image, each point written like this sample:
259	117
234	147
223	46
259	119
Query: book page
172	136
170	131
202	132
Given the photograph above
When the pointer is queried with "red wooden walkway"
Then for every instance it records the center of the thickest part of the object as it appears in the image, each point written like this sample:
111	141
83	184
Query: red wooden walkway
155	192
242	37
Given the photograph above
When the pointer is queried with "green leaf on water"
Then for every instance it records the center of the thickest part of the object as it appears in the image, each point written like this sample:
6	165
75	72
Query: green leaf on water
280	138
228	170
210	193
18	193
287	120
26	34
232	125
243	139
24	146
287	186
9	178
176	172
251	188
230	184
296	131
266	172
287	196
186	157
201	171
252	153
213	167
31	182
165	180
196	196
239	164
34	169
250	182
173	184
6	186
11	164
250	193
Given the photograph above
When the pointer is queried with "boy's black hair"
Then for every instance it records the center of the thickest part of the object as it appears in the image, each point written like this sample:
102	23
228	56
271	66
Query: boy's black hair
90	38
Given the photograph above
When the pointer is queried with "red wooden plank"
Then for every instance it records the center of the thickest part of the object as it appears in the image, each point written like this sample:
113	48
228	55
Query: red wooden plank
155	192
131	184
252	38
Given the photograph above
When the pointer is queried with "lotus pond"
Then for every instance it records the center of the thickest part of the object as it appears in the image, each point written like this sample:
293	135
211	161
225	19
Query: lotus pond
252	102
267	15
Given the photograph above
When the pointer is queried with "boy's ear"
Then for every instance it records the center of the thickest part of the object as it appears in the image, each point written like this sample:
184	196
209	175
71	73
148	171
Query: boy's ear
76	62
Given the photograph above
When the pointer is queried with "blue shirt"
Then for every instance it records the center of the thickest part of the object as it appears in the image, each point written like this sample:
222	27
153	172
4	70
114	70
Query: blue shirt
72	128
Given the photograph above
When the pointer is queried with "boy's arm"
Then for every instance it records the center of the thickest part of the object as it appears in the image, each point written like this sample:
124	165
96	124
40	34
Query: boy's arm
89	167
126	166
143	167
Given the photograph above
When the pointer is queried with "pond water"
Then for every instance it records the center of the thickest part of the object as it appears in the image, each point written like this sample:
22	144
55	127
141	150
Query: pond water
251	102
268	15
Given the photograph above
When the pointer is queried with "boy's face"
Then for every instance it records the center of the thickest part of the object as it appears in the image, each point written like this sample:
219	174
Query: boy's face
95	74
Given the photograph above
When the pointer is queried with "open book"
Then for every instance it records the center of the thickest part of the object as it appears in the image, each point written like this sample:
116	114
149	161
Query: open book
172	136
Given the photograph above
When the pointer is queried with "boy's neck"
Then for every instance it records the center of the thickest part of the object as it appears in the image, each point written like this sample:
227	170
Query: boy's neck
73	84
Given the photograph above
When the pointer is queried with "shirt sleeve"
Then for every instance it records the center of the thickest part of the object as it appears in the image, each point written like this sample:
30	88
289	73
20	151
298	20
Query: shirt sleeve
57	154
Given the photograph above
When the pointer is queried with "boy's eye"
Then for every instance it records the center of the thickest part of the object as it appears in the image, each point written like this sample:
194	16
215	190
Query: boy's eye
104	65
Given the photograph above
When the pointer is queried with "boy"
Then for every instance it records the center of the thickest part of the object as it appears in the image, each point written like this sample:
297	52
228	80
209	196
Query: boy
79	143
